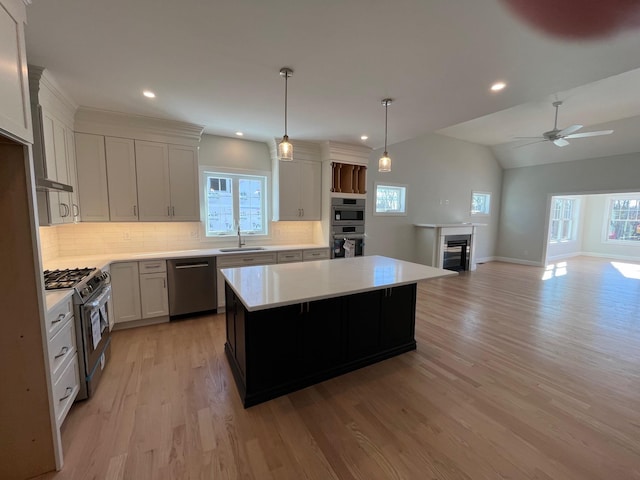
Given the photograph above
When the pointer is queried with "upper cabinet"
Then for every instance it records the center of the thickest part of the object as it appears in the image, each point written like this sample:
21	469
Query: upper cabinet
137	176
53	147
15	113
297	193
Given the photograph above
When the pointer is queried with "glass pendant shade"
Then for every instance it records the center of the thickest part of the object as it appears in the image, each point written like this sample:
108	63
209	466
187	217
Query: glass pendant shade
285	149
384	164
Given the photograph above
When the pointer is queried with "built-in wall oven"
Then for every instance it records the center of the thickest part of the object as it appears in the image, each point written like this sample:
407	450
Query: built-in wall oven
347	225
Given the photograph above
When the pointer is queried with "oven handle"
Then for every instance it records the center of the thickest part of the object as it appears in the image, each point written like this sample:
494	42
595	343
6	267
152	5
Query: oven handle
348	236
101	299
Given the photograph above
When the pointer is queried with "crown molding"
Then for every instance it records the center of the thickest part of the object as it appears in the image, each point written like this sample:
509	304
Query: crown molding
117	124
345	153
45	91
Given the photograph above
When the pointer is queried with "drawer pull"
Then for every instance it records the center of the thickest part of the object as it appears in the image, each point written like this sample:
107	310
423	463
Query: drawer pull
59	318
67	393
63	352
248	259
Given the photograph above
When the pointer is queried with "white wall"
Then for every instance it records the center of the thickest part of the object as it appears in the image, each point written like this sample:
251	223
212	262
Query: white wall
435	168
527	191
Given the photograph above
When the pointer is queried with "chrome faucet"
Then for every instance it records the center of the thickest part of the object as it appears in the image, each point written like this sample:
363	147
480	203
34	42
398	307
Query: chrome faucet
240	242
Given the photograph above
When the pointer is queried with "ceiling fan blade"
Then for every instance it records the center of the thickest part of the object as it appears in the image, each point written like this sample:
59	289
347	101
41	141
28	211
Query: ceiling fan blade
569	130
590	134
530	143
560	142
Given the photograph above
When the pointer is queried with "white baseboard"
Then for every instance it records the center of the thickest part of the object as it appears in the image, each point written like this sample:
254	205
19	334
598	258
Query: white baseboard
563	256
518	261
616	257
485	260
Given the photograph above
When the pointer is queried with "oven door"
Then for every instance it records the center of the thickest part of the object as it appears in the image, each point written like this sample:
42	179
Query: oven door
337	250
94	315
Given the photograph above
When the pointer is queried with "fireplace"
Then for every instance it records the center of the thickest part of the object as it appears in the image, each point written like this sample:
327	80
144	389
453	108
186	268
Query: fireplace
456	252
447	245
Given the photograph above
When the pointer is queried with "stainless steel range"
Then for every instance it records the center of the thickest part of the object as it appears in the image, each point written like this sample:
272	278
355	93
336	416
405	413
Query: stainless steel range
92	291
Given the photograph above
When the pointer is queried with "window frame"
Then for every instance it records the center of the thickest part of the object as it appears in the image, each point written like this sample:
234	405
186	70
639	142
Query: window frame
484	213
607	219
208	171
574	220
404	188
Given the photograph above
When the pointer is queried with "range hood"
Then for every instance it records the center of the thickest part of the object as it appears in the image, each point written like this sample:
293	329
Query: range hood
46	185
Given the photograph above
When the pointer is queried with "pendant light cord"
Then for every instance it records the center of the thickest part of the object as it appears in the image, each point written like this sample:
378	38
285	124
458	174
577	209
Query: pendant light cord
286	83
386	111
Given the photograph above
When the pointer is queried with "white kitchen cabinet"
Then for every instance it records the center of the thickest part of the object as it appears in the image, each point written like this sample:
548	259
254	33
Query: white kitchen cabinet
15	114
125	291
121	179
167	178
74	198
63	358
297	195
53	149
315	254
183	180
154	191
154	296
92	177
290	256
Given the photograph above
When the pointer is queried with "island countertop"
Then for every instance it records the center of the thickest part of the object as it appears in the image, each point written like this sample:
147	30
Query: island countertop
268	286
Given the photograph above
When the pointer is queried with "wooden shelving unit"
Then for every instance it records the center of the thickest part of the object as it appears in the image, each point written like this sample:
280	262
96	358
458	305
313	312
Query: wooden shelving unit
348	178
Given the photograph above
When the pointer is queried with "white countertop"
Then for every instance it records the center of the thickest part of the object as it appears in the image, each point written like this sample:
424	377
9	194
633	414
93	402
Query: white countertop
445	225
268	286
54	297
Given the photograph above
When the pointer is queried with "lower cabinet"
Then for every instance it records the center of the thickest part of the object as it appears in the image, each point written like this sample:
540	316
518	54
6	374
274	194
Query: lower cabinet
279	350
139	291
63	358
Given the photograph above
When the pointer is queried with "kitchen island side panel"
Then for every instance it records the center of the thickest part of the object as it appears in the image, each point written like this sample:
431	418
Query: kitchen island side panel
295	346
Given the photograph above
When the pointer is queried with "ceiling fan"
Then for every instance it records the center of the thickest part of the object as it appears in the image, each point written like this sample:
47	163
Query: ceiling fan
558	137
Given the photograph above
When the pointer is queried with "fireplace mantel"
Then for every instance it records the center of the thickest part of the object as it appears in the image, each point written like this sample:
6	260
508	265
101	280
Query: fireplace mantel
431	241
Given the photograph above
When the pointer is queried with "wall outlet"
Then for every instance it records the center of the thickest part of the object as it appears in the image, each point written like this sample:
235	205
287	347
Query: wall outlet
446	202
195	235
126	235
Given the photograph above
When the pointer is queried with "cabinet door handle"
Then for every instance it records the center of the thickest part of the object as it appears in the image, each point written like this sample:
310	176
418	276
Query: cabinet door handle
58	319
63	352
173	211
76	210
301	308
303	212
135	210
164	283
67	393
168	211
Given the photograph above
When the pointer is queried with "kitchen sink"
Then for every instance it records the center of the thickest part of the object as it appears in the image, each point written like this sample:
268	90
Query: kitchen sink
242	249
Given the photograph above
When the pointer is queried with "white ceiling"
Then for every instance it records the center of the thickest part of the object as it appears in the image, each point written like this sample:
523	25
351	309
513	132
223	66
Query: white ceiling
216	63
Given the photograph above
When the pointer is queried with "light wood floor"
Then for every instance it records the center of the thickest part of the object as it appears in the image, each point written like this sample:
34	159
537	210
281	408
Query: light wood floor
515	377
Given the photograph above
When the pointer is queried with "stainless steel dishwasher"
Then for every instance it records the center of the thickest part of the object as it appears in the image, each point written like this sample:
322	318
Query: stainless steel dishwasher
192	285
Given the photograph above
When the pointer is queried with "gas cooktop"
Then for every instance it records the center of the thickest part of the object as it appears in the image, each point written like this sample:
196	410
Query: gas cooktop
58	279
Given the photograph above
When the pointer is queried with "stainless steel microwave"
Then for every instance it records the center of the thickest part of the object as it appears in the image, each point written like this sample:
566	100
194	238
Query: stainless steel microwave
347	211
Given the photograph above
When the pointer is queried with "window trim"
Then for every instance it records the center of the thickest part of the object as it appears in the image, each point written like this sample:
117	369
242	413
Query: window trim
480	214
607	219
575	218
390	214
205	171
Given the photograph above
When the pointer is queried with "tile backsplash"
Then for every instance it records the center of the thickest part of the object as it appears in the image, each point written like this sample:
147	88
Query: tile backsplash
100	238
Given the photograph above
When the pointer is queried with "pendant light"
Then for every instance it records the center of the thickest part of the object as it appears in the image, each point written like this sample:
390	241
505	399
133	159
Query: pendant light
384	164
285	149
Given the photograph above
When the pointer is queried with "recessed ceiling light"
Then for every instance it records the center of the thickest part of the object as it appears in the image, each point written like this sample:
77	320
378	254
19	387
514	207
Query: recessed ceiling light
364	137
496	87
239	134
149	94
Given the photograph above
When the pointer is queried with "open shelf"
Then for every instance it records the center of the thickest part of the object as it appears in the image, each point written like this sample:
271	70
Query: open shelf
348	178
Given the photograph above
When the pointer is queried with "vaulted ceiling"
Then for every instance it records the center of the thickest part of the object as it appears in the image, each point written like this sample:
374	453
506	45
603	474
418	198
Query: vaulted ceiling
216	63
